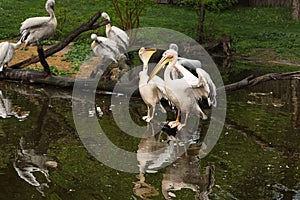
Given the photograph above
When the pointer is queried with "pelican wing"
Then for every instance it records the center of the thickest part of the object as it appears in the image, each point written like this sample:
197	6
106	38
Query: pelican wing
204	79
201	85
106	47
187	75
9	54
119	36
34	22
112	46
160	84
189	63
4	46
122	34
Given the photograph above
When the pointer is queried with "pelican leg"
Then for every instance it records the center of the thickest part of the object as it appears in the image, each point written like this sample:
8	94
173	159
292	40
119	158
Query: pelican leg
25	48
180	126
163	110
202	114
175	123
148	114
153	111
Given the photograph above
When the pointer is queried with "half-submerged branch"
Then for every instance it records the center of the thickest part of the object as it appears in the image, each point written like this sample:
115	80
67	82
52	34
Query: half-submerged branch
251	80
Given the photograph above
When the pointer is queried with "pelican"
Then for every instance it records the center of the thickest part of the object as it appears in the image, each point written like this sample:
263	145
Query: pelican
36	29
184	92
7	51
197	66
153	91
116	34
105	47
188	63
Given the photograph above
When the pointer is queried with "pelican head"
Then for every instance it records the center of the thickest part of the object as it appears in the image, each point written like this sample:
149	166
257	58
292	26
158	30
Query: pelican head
145	54
94	37
105	16
50	5
173	46
169	56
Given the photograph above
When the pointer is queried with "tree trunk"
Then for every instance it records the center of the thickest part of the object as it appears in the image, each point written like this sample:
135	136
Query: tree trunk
200	32
296	9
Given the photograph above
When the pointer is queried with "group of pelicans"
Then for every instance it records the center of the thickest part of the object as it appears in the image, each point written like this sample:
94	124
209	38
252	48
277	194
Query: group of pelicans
36	29
181	87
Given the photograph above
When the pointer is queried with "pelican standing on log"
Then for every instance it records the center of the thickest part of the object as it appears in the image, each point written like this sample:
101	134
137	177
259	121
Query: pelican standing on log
152	91
183	92
116	34
7	51
105	47
37	29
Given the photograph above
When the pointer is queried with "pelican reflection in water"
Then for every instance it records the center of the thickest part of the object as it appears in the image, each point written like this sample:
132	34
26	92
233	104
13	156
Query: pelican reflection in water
182	170
7	110
28	164
185	173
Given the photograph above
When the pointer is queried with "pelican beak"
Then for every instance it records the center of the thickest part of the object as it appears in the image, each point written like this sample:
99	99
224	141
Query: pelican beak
146	53
163	61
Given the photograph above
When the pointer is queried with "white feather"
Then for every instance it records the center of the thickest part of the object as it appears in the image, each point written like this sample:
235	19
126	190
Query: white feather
36	29
7	52
116	34
105	47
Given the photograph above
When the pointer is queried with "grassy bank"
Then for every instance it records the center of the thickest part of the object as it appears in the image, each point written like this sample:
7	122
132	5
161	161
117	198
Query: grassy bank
267	33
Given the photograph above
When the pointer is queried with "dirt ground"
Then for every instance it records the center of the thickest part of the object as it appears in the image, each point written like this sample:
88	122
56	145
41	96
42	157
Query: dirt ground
57	59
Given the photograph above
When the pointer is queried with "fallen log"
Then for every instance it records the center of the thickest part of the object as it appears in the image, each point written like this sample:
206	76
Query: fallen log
36	77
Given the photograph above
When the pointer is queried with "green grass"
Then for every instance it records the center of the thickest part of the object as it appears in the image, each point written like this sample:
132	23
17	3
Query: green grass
251	29
262	32
259	28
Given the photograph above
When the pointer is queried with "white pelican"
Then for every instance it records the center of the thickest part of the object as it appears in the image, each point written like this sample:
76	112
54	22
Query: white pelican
185	91
188	63
116	34
105	47
153	91
7	51
197	66
36	29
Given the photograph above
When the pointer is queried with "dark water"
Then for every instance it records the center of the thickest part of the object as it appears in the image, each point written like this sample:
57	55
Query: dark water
256	157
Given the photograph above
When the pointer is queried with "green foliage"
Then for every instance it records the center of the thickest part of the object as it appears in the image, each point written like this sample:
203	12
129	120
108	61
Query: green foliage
71	14
212	5
80	51
55	71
